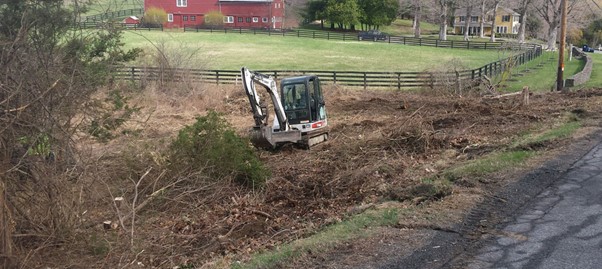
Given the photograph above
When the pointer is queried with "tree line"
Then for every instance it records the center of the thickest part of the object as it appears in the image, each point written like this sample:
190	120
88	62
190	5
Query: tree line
369	14
537	18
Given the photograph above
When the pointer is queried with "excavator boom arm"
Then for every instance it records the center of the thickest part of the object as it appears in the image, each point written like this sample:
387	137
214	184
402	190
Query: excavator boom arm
249	79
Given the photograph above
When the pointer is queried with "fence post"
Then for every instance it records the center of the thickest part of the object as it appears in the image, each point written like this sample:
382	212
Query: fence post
467	44
365	80
420	41
334	77
216	77
485	45
313	35
436	43
133	73
327	35
452	44
473	73
404	40
398	81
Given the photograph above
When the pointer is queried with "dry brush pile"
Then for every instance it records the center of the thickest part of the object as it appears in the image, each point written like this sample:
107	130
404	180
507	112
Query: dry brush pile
383	144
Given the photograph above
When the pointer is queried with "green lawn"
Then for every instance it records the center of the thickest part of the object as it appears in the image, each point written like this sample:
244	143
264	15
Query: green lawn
596	78
231	51
541	73
103	6
404	27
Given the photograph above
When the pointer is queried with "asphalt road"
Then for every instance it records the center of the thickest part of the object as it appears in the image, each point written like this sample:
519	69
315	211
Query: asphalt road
560	228
549	218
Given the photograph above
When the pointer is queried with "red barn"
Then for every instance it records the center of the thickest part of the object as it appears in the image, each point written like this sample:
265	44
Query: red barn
237	13
131	20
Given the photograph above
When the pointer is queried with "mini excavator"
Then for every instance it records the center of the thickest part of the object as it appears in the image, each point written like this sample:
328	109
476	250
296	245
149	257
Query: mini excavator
299	107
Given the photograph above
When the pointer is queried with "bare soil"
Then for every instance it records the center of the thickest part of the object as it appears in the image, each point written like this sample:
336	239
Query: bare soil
382	145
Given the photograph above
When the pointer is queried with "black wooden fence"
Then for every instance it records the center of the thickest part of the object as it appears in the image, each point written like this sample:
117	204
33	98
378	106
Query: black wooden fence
344	36
112	15
397	80
330	35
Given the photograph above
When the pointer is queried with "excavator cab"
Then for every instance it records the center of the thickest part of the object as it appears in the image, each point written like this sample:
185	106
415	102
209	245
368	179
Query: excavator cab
303	101
299	107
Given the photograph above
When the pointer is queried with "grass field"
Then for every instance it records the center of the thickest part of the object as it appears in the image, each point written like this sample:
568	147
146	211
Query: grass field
596	78
543	78
231	51
398	28
102	6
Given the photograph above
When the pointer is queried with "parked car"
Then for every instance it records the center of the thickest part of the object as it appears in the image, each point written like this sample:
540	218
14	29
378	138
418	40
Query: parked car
587	48
372	35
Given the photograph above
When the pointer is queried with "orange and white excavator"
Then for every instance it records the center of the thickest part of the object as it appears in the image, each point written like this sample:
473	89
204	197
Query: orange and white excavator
299	107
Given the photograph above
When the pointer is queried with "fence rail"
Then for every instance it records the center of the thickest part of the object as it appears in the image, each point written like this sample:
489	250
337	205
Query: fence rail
329	35
113	15
428	42
397	80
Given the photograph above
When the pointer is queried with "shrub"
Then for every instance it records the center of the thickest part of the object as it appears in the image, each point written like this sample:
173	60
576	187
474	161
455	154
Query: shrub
212	142
110	115
214	18
154	16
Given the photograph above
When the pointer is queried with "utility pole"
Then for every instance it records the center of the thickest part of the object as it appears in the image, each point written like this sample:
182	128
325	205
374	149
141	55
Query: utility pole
559	77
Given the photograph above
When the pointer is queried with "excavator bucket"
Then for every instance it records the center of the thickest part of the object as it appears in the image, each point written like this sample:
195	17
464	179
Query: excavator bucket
264	137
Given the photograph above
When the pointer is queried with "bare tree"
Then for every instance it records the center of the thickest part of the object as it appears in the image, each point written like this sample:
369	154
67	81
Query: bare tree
418	5
496	4
483	4
444	6
524	7
468	6
550	12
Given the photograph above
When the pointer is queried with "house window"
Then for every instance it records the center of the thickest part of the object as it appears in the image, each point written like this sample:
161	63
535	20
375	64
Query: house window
264	19
248	19
501	29
228	19
462	18
506	18
240	19
184	18
181	3
170	17
474	18
255	19
277	5
192	17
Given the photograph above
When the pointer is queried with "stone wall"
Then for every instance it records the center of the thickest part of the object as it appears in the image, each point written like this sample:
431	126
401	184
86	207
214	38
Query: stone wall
583	76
